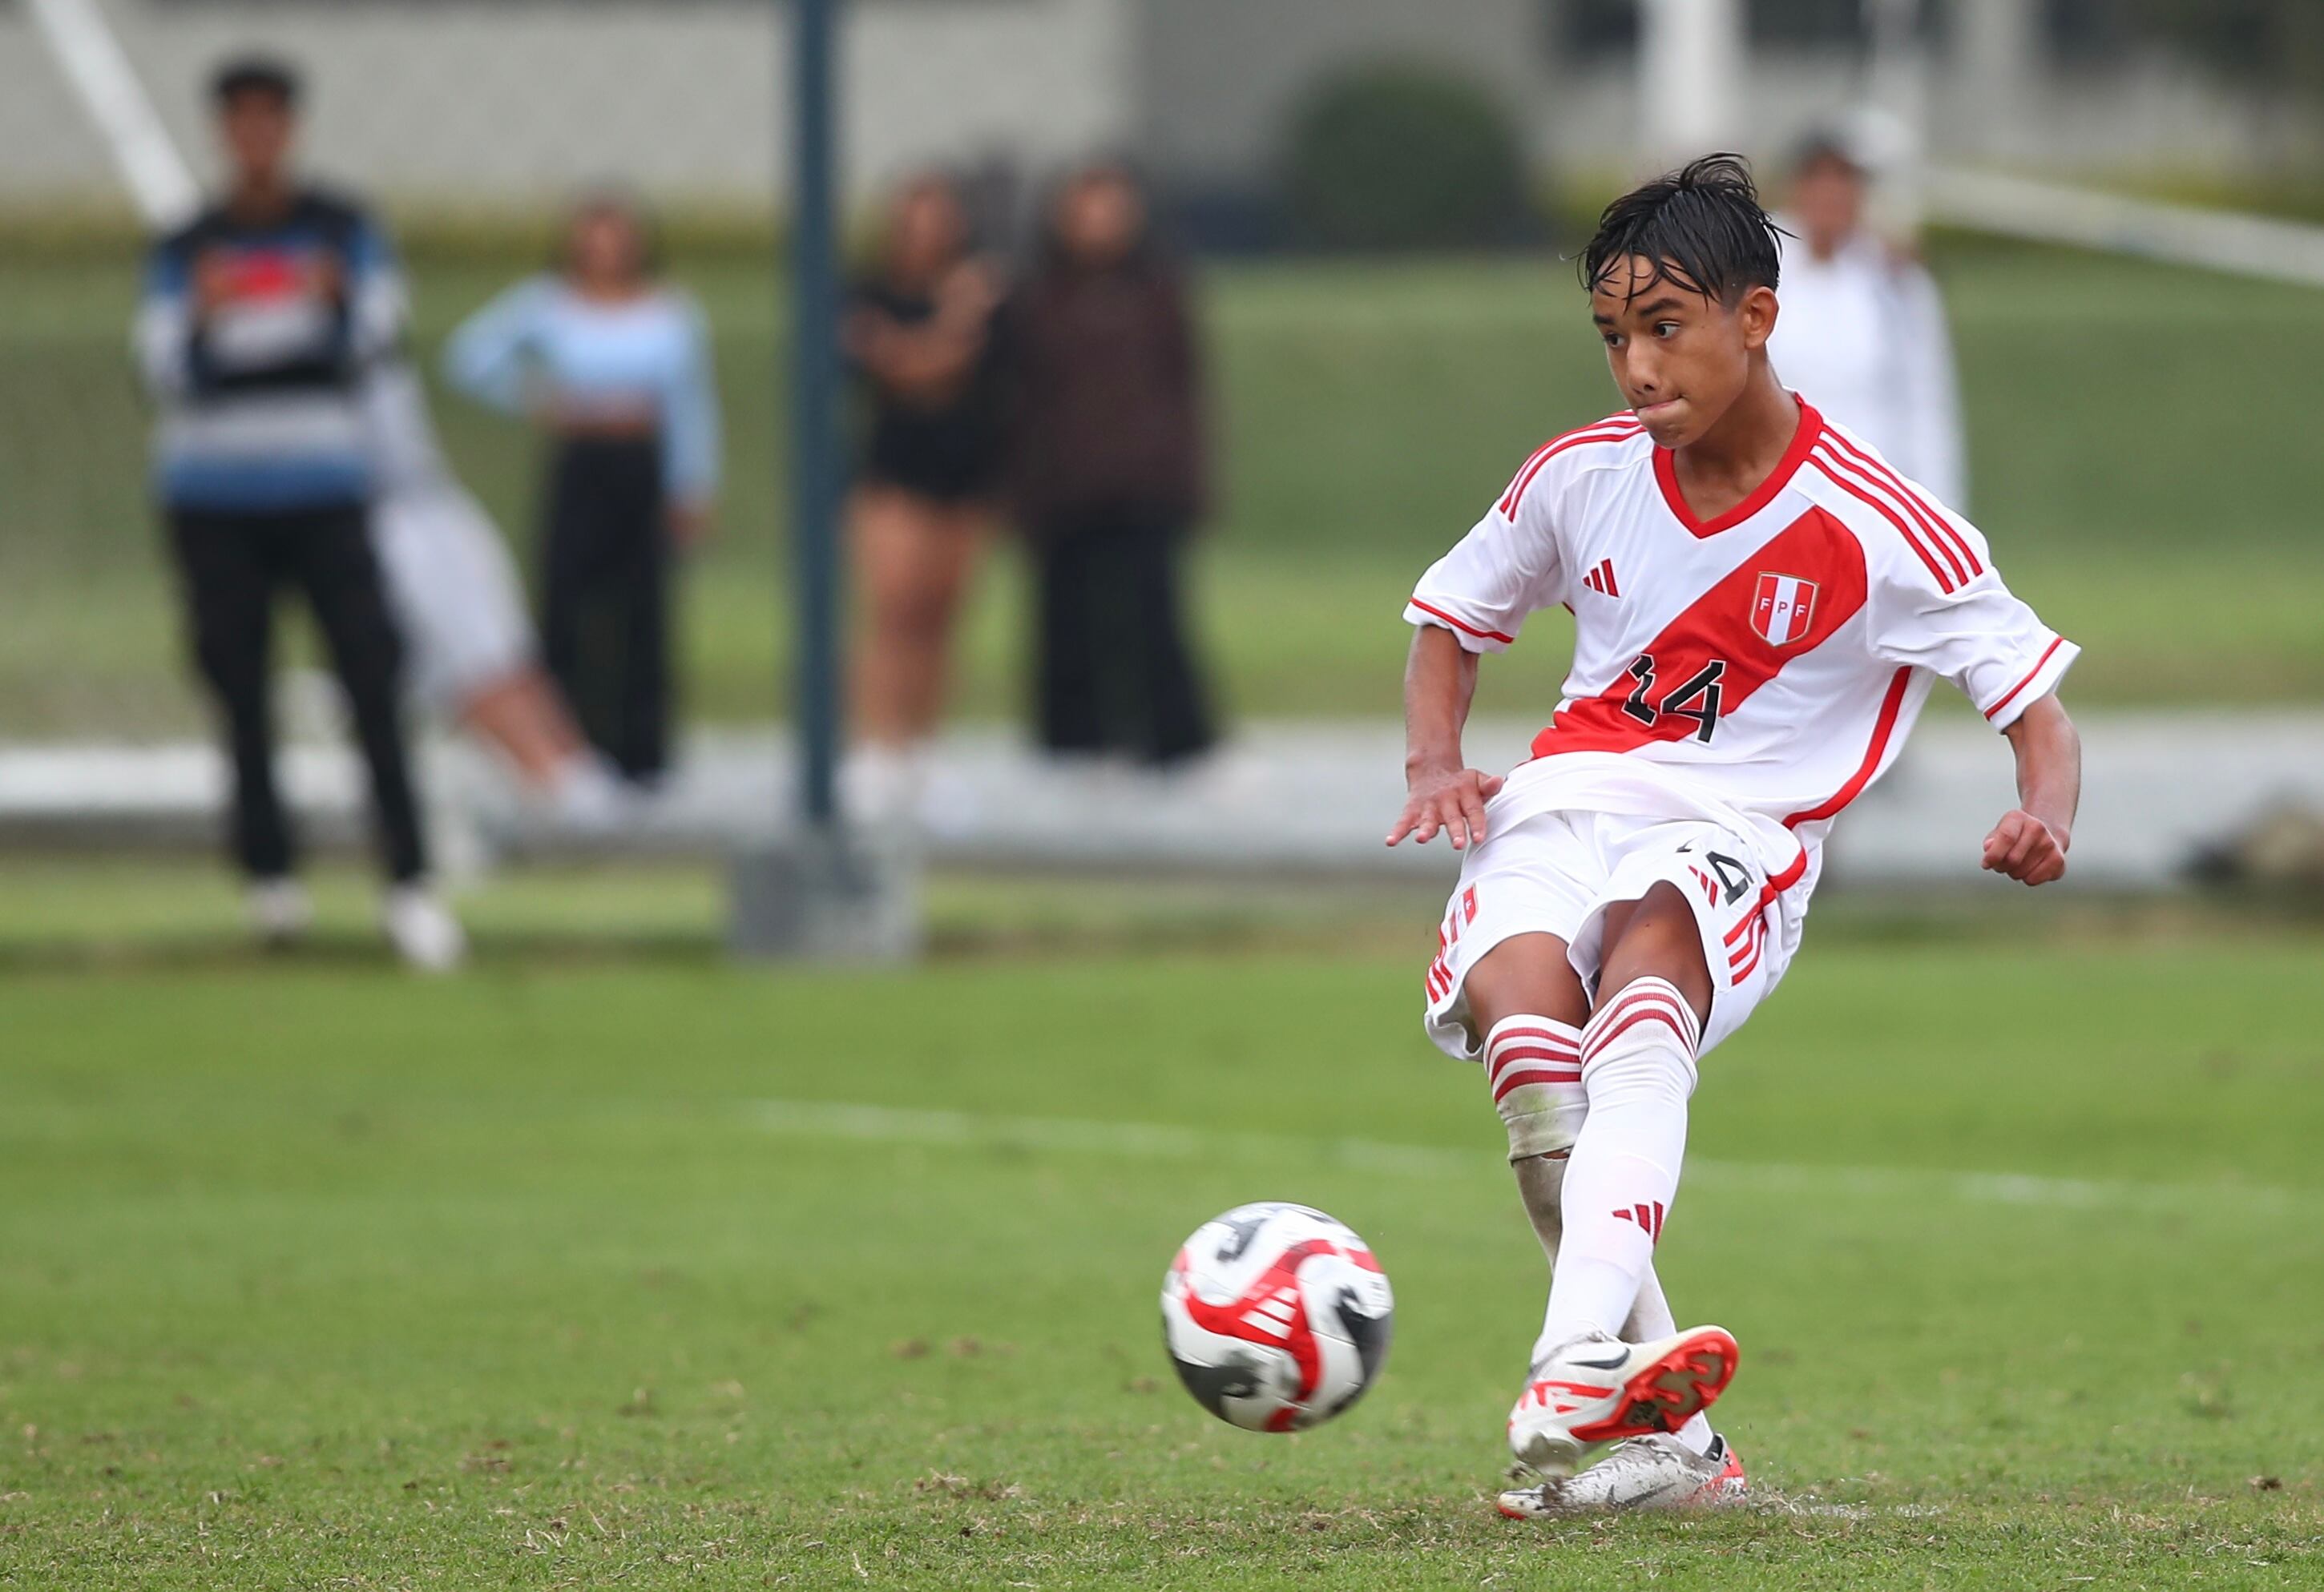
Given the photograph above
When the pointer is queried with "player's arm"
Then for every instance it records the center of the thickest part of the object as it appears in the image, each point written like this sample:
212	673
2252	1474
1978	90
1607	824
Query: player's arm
1937	603
164	332
1472	601
2029	844
1440	680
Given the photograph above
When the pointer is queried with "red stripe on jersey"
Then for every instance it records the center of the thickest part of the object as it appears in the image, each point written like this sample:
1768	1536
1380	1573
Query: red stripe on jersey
1612	428
1717	626
2040	664
1768	891
1860	486
1932	519
1466	630
1882	727
1666	476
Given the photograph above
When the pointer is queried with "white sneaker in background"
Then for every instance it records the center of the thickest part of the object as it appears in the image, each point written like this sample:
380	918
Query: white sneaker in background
587	800
423	930
280	913
1653	1472
879	786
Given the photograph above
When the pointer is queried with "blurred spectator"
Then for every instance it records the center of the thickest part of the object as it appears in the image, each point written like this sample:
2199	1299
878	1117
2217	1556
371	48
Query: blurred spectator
261	322
1862	332
1108	474
919	336
616	366
452	588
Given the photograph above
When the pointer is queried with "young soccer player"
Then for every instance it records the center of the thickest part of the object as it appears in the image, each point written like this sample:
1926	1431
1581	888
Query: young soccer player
1761	606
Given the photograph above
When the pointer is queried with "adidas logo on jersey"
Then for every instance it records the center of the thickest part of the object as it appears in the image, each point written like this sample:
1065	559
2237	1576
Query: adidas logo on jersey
1601	579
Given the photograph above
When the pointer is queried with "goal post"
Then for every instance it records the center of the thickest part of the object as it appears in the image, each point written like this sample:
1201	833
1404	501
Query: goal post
89	59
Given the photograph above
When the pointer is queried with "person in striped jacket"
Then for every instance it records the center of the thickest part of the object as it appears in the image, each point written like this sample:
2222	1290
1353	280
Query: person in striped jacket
261	322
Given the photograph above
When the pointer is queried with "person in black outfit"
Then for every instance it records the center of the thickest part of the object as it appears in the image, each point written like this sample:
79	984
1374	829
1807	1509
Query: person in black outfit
617	366
1109	474
919	338
260	320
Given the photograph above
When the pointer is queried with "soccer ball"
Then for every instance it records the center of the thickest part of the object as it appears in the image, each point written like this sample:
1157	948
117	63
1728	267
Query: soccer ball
1276	1317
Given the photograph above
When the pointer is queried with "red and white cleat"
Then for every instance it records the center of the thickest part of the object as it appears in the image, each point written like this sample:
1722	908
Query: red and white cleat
1656	1472
1598	1390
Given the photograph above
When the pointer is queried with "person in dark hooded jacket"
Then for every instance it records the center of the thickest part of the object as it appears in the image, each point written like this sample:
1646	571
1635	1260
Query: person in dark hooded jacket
1109	476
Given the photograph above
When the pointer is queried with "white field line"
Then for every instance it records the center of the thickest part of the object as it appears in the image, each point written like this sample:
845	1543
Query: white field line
1155	1141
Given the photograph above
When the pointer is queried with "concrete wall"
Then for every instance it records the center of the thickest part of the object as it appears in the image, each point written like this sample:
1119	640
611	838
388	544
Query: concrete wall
485	102
494	102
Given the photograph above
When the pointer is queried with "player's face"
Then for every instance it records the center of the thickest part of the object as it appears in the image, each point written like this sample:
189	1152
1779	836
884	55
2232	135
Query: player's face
606	248
256	129
928	231
1828	199
1681	357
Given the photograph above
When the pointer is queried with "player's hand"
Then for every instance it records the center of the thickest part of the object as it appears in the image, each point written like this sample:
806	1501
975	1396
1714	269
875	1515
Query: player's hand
2025	849
215	280
1450	799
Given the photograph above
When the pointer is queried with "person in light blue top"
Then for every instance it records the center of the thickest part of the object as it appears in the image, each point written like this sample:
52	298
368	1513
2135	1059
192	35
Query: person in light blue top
615	366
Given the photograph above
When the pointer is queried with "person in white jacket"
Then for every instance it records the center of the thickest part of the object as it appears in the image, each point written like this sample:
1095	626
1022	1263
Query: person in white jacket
474	659
1863	331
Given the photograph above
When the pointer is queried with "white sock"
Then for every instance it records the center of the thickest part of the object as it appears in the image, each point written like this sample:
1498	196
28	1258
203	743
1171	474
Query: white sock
1638	1069
1533	1064
1651	1318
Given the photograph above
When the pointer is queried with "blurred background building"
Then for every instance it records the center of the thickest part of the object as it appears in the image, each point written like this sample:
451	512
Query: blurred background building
480	101
1374	194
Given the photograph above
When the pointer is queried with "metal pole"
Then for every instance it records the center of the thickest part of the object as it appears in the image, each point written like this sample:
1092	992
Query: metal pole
815	890
814	429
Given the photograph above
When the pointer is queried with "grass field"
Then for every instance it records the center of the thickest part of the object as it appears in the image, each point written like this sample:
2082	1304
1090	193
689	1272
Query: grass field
567	1272
2141	438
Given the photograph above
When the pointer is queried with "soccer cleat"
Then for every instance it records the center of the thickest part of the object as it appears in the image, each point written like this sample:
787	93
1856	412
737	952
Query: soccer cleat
422	930
1600	1390
1656	1472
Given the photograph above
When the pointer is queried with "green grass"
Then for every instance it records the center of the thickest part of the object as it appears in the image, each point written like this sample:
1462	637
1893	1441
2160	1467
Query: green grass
2140	481
316	1275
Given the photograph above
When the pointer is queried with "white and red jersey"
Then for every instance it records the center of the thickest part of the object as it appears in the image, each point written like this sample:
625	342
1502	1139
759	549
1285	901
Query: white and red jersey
1767	664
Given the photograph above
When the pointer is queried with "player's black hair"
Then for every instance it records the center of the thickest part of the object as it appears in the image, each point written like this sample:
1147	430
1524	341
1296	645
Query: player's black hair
1702	228
254	74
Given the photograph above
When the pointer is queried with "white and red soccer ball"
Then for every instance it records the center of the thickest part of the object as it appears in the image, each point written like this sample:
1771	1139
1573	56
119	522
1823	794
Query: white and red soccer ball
1276	1316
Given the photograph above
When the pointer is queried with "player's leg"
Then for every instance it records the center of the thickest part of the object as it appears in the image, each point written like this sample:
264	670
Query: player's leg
649	680
913	557
1067	561
1637	1071
229	590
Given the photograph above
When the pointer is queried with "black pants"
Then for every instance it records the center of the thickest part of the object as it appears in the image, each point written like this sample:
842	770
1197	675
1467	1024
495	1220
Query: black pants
232	565
604	597
1115	670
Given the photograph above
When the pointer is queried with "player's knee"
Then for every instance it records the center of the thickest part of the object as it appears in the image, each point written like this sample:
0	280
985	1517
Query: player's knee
1533	1064
1641	1042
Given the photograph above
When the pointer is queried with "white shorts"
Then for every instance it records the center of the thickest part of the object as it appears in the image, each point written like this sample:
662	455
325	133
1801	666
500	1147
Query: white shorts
1557	872
453	591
